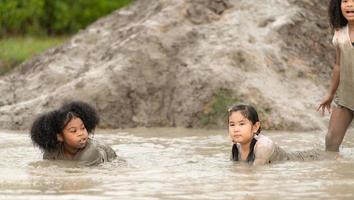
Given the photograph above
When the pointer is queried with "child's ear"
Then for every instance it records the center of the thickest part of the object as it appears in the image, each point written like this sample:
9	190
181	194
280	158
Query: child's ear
60	137
255	127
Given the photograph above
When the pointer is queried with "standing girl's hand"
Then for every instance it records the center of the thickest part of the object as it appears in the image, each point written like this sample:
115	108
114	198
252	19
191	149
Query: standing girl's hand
326	104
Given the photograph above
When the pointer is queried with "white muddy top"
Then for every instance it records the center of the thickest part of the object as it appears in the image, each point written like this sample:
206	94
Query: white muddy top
345	91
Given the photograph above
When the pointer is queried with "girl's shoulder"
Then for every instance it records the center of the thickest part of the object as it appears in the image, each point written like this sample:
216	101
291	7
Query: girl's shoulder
341	30
340	35
53	155
264	148
263	140
96	152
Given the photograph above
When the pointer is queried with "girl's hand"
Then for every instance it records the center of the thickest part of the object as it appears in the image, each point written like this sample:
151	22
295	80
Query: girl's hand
325	104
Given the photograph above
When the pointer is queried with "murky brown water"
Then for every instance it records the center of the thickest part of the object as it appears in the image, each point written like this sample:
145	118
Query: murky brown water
175	164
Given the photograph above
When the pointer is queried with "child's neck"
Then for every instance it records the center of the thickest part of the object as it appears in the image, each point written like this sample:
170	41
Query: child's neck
245	150
69	152
351	26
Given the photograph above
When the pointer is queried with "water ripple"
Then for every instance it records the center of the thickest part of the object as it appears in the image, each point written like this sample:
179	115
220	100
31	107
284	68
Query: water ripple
175	164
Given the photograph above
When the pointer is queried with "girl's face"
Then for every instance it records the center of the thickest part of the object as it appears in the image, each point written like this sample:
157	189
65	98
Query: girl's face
241	130
74	136
347	7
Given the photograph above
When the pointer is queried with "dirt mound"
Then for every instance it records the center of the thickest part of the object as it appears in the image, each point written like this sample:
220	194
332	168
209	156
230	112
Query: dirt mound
182	63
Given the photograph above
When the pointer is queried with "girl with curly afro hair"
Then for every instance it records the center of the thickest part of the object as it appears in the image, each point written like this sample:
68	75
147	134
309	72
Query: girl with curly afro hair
63	134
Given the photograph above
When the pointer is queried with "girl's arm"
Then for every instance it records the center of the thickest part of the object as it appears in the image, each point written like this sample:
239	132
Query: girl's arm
335	74
95	153
263	150
326	102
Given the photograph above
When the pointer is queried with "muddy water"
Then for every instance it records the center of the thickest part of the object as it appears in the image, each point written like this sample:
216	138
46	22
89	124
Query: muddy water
175	164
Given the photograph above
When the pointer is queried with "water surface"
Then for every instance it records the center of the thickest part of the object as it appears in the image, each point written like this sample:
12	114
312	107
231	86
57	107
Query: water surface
175	164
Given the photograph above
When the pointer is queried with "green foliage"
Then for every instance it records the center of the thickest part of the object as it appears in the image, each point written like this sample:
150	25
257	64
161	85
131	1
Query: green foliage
52	16
15	50
215	112
19	16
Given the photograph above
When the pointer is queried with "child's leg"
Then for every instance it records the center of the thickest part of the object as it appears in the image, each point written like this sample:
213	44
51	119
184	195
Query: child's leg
340	120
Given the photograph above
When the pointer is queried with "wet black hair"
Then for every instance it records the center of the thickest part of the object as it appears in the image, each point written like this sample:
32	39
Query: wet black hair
45	127
336	18
251	114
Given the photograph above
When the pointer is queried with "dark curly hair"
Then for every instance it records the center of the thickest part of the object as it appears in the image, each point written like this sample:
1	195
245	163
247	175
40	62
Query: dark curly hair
251	114
45	128
336	18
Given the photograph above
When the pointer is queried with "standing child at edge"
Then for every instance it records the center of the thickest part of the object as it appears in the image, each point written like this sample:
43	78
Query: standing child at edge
63	134
252	147
341	14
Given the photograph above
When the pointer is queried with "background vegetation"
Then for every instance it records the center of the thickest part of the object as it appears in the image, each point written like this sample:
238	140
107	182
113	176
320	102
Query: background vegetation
52	17
28	27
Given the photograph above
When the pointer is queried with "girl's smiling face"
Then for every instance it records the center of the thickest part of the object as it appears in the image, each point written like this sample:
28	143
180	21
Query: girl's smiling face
241	130
347	7
74	136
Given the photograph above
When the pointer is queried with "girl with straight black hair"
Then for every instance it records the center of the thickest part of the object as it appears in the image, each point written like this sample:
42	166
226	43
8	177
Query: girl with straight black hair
251	147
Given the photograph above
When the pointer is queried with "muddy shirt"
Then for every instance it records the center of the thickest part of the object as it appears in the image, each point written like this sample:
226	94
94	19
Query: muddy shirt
94	153
266	151
345	91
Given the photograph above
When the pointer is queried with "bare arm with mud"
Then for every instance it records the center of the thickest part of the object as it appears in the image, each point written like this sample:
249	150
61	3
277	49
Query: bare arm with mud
263	150
326	102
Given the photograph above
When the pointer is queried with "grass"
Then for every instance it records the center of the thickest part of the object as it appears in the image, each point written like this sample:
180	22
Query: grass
15	50
215	112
